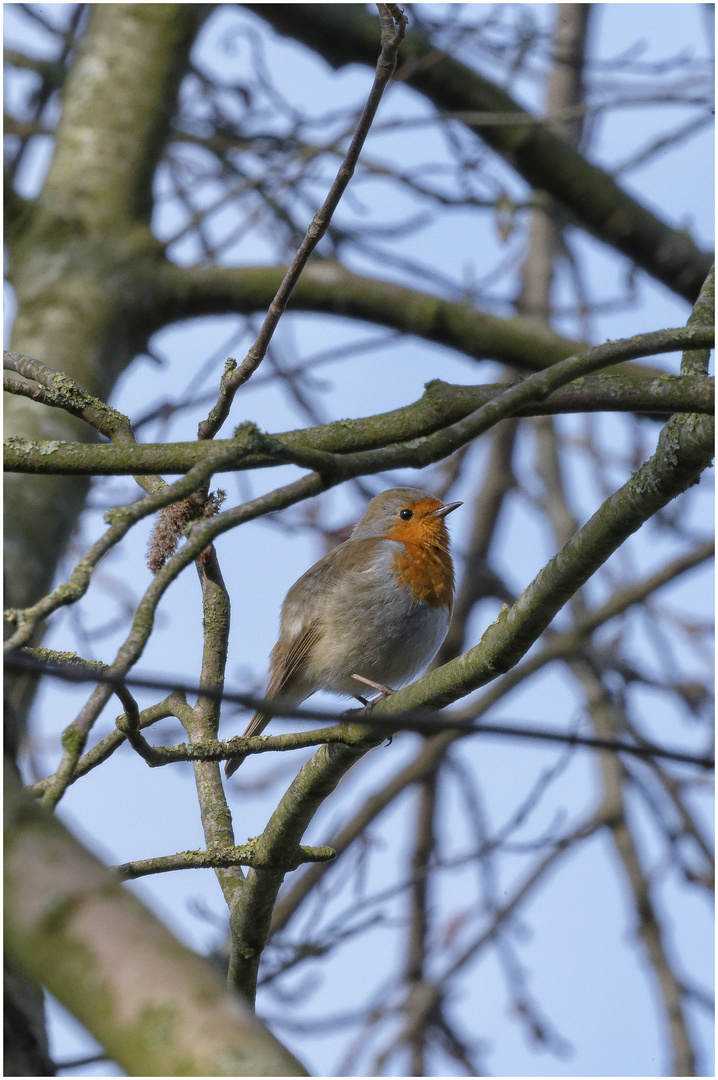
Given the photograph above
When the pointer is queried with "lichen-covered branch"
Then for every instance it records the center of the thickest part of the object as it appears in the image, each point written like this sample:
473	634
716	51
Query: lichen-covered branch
441	404
72	926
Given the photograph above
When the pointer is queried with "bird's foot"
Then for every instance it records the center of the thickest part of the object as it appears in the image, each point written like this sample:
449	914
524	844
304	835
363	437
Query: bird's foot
351	713
384	692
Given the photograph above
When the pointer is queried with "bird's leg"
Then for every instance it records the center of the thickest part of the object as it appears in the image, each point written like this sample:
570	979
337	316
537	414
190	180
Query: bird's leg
384	692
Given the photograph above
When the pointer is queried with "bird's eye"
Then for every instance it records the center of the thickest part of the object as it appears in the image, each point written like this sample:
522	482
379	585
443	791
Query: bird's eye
406	515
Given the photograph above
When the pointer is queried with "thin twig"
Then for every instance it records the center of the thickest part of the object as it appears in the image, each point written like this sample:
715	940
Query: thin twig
393	23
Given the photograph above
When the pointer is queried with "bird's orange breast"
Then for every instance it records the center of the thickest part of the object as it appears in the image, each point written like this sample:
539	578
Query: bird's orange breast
424	563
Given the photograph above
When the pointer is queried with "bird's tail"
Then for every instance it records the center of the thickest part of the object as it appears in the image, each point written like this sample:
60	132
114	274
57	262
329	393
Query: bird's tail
255	727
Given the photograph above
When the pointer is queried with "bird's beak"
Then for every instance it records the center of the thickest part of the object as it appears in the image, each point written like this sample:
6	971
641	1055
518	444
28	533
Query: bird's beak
442	511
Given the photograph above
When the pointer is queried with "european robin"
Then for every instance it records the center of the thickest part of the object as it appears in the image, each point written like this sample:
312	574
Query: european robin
374	611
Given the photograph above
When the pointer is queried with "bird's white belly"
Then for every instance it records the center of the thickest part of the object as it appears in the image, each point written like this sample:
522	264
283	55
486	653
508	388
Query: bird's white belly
390	645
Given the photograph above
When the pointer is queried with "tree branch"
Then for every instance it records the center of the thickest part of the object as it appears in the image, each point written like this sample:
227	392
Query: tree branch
69	922
393	23
442	404
341	34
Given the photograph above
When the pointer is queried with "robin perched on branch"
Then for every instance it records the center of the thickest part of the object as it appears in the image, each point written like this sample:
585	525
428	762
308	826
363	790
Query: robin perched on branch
373	612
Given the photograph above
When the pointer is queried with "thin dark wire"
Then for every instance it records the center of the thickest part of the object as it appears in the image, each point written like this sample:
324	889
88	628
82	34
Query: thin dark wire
421	722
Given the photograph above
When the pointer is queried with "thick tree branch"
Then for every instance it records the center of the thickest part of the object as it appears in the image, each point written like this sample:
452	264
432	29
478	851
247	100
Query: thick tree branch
75	267
180	292
442	404
69	923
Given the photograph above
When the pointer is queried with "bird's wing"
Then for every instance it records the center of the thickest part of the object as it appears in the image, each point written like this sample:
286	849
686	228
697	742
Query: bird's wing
303	611
283	670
